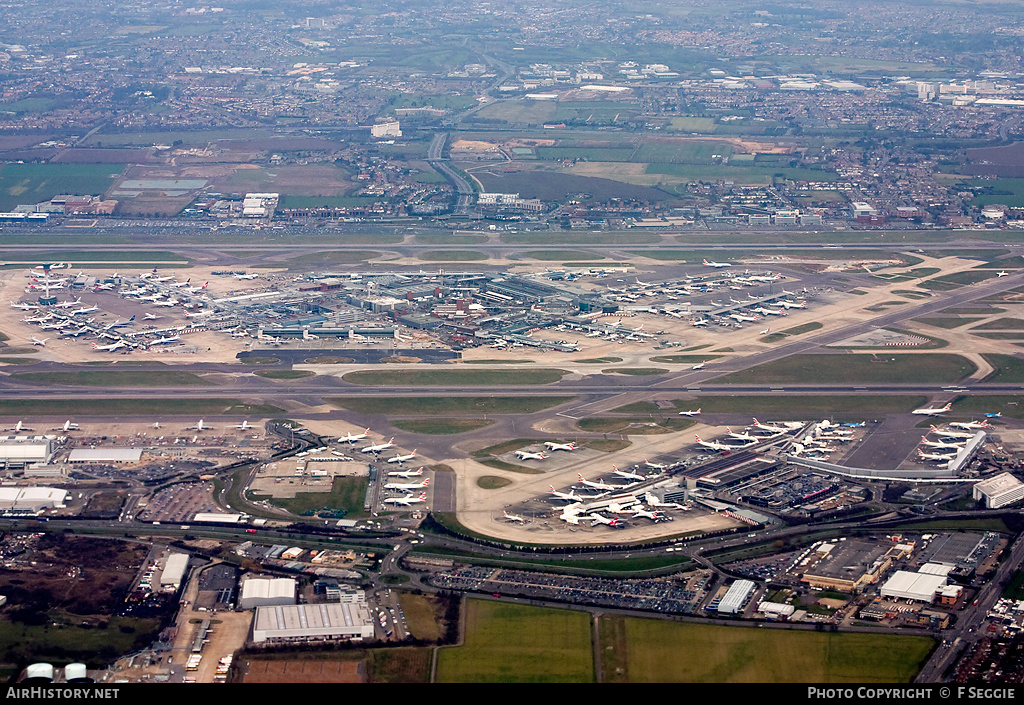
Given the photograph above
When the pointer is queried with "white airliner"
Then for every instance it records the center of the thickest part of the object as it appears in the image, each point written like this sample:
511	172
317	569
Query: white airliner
406	473
425	482
712	445
200	427
941	444
402	458
951	434
23	306
642	513
37	341
654	466
526	455
570	514
792	304
68	426
513	517
937	457
353	437
242	426
766	331
655	502
741	436
716	265
695	412
20	426
630	475
560	446
1002	274
699	366
969	425
739	317
177	285
601	519
598	485
85	309
933	411
241	277
569	496
407	500
69	304
110	348
376	448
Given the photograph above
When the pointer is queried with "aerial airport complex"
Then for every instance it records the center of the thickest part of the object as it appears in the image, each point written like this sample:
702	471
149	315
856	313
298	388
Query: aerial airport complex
643	409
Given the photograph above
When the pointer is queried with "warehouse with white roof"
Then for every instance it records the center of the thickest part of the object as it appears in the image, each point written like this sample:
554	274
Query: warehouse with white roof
30	500
267	592
913	586
315	622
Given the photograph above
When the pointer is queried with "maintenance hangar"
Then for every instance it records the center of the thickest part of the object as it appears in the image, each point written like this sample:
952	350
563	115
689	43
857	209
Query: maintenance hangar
105	455
20	451
290	623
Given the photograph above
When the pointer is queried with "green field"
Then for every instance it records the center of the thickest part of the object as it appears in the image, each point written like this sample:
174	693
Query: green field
654	651
1009	406
635	425
133	407
285	374
446	405
346	493
33	183
110	378
454	378
1008	369
636	371
452	256
856	368
508	643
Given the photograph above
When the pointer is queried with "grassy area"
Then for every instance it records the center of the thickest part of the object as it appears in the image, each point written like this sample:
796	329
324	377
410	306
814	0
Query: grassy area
69	642
285	374
346	493
654	651
685	359
1007	368
452	256
446	405
492	482
454	378
132	407
504	447
856	368
561	255
1002	324
638	371
506	643
1008	405
608	360
839	407
946	323
440	426
32	183
111	378
636	425
803	328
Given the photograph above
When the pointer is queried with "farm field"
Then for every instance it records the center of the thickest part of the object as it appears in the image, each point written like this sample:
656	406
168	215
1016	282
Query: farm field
653	651
508	643
32	183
